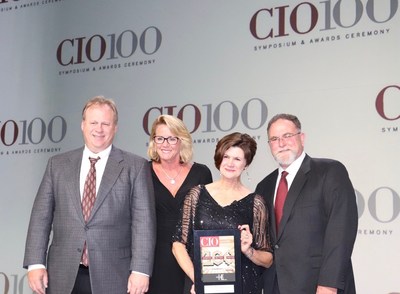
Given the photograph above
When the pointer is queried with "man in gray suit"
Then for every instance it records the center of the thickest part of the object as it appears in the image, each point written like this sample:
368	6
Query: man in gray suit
119	233
314	237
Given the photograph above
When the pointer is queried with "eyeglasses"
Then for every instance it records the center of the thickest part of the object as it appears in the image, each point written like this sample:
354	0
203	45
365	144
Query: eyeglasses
161	140
283	137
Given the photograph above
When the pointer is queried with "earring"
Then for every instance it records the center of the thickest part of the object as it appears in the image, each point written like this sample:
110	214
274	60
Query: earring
247	173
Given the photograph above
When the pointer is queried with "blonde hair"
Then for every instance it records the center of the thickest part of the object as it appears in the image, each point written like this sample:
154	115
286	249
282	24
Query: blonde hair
178	128
101	100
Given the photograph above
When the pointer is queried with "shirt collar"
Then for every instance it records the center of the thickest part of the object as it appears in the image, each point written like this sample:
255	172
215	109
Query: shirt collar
295	166
102	154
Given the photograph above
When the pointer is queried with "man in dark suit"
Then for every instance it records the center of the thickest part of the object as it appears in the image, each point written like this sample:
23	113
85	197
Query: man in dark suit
314	239
119	232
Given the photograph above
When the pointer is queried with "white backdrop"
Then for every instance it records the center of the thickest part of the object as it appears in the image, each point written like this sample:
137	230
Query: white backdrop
222	66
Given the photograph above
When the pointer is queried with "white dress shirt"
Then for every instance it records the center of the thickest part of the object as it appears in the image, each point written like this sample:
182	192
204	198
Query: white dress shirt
100	166
292	171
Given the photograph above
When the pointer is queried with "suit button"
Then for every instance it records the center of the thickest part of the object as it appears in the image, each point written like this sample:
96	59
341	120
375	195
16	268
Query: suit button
79	250
276	246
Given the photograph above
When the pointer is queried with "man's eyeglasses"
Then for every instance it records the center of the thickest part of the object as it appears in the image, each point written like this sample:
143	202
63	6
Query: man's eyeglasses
161	140
283	137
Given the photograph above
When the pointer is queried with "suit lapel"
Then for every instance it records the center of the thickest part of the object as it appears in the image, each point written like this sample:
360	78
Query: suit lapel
111	173
270	201
294	191
72	177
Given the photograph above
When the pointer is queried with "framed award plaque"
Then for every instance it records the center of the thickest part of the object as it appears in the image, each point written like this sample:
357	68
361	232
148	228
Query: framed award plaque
217	261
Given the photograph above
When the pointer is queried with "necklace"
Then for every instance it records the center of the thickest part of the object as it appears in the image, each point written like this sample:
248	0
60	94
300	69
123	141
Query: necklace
171	180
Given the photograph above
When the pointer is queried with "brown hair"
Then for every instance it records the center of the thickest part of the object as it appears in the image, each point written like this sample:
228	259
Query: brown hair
285	116
243	141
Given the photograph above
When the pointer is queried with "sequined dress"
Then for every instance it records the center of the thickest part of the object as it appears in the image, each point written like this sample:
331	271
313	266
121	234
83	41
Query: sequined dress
201	212
168	277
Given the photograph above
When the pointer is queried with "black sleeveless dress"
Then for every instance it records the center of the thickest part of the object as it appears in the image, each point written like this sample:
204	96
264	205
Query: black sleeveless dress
168	277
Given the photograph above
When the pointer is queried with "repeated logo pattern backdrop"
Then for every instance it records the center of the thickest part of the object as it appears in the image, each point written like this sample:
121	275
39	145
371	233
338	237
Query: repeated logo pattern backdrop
221	66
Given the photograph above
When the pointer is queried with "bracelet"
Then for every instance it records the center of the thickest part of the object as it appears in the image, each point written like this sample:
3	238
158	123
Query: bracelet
249	255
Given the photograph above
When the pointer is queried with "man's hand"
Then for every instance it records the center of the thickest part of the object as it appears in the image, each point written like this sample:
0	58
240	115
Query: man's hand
326	290
138	283
192	291
38	280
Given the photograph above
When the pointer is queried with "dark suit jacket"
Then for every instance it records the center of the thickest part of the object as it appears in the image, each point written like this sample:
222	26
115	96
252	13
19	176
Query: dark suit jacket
317	231
120	232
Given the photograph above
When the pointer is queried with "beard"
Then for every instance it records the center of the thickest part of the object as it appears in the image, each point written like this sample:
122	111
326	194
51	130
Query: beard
285	158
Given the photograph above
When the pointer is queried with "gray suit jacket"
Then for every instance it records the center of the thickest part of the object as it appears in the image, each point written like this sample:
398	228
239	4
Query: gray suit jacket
120	232
317	231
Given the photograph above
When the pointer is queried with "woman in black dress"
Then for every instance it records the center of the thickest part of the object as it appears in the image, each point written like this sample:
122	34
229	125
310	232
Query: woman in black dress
228	204
170	151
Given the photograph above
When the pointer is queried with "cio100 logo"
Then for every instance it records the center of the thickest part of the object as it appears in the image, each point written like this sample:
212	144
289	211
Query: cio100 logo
332	13
381	102
25	132
15	282
209	241
380	197
97	47
222	117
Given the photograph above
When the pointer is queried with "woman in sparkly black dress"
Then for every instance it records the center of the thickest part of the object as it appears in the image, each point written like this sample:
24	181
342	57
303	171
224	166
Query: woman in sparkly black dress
170	150
228	204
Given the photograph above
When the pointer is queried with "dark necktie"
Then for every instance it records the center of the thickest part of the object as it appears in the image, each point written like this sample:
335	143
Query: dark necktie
89	196
280	198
